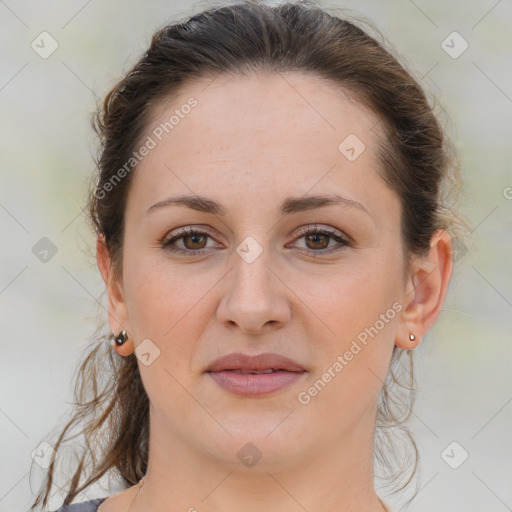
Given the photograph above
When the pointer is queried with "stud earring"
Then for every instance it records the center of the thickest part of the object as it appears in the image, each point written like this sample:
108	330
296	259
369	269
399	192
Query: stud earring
121	338
412	337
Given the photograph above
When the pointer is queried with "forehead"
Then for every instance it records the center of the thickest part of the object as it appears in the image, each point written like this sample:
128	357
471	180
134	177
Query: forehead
272	133
267	105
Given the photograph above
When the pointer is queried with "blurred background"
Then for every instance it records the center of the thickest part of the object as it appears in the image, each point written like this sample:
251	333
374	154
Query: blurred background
59	57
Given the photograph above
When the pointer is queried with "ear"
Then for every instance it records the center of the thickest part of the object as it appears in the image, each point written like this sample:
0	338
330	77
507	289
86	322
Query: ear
117	310
425	290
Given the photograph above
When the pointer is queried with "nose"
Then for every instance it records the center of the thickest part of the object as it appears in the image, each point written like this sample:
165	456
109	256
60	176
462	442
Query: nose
255	299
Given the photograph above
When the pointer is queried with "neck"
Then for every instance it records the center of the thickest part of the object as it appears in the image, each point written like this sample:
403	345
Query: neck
335	476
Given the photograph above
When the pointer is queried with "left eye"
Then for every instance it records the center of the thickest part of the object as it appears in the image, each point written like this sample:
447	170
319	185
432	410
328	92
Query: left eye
316	240
320	240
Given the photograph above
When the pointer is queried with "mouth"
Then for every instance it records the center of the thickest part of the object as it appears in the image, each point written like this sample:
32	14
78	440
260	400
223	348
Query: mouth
263	374
252	372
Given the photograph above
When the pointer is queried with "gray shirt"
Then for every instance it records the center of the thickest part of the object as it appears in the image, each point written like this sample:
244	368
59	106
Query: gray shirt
86	506
92	506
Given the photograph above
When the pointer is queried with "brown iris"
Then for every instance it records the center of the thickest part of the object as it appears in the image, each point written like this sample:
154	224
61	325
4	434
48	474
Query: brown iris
196	239
316	238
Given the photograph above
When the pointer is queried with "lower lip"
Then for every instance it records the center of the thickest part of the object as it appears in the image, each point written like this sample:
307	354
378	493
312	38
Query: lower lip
251	384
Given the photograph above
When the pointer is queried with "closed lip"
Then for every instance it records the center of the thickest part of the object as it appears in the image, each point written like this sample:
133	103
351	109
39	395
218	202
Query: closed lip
245	362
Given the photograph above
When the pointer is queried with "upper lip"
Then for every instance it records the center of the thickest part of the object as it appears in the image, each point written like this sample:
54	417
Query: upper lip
244	362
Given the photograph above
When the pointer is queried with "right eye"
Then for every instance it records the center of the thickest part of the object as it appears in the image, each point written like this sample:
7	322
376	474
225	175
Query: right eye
192	240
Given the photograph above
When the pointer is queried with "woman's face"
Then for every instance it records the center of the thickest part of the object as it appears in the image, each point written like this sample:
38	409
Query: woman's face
254	157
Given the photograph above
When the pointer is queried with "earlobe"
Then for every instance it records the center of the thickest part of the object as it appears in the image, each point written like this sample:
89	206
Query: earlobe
122	344
117	311
426	291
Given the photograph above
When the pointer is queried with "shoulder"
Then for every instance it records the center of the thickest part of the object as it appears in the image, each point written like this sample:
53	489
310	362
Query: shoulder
86	506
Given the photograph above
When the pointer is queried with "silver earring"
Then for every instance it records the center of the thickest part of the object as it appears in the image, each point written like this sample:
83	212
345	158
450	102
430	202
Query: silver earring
121	338
412	337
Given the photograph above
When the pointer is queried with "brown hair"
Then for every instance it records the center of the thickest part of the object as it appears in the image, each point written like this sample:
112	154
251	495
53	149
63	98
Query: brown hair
112	408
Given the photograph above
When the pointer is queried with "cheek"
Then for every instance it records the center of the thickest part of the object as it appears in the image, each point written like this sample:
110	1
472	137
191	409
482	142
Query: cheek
353	298
165	306
357	304
166	302
355	359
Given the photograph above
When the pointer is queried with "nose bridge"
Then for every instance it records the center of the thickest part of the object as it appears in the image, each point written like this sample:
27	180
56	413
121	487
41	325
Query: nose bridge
251	280
253	298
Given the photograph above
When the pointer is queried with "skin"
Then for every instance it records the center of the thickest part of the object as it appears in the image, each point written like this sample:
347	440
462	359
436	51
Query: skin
250	143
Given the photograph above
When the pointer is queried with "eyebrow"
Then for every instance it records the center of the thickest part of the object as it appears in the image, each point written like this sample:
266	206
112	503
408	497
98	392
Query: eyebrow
289	205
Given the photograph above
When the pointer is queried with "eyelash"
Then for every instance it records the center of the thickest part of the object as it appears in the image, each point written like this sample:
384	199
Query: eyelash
303	232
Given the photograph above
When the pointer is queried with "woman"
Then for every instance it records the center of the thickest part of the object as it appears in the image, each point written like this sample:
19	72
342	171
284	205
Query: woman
274	234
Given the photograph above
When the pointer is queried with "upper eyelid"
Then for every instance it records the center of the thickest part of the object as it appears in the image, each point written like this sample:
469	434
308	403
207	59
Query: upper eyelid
301	231
187	230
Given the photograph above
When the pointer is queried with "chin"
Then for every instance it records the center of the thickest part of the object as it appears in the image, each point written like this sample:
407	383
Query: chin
259	442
